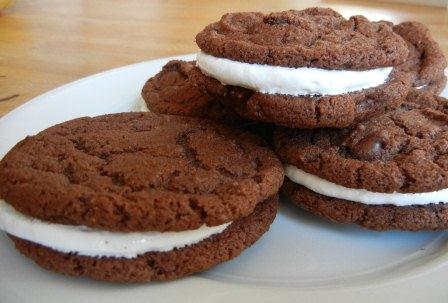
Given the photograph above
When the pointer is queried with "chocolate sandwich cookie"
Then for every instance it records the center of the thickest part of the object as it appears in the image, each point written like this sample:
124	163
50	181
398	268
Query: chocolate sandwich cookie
137	196
174	91
426	61
303	69
390	172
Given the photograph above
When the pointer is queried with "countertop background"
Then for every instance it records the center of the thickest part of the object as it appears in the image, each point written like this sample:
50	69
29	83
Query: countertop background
44	44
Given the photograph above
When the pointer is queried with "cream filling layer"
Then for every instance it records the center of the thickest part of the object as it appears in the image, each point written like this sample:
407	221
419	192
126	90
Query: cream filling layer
270	79
333	190
97	243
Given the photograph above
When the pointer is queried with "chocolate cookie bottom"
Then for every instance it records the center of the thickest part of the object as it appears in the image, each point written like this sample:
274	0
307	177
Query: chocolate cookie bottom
375	217
153	266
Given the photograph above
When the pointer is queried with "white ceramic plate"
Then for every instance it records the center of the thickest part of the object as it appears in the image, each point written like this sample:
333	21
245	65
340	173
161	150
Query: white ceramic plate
301	257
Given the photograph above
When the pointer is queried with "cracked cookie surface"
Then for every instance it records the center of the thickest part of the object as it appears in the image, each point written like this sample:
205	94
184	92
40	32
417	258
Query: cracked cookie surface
405	150
314	37
139	172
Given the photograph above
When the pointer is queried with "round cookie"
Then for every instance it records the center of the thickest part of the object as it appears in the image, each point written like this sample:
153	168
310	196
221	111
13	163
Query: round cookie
159	266
426	61
311	38
391	156
133	175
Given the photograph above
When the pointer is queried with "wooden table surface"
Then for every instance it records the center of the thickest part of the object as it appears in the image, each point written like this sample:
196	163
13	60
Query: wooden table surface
44	44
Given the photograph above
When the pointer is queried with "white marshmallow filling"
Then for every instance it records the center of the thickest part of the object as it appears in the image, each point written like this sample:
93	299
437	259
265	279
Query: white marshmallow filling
329	189
98	243
302	81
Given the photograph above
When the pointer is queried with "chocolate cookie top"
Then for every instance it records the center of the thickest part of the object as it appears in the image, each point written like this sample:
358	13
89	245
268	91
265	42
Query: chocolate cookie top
314	37
426	61
173	91
405	150
138	172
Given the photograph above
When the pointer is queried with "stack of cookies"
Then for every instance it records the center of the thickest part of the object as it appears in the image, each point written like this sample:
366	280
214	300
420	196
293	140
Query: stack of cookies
347	109
359	127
